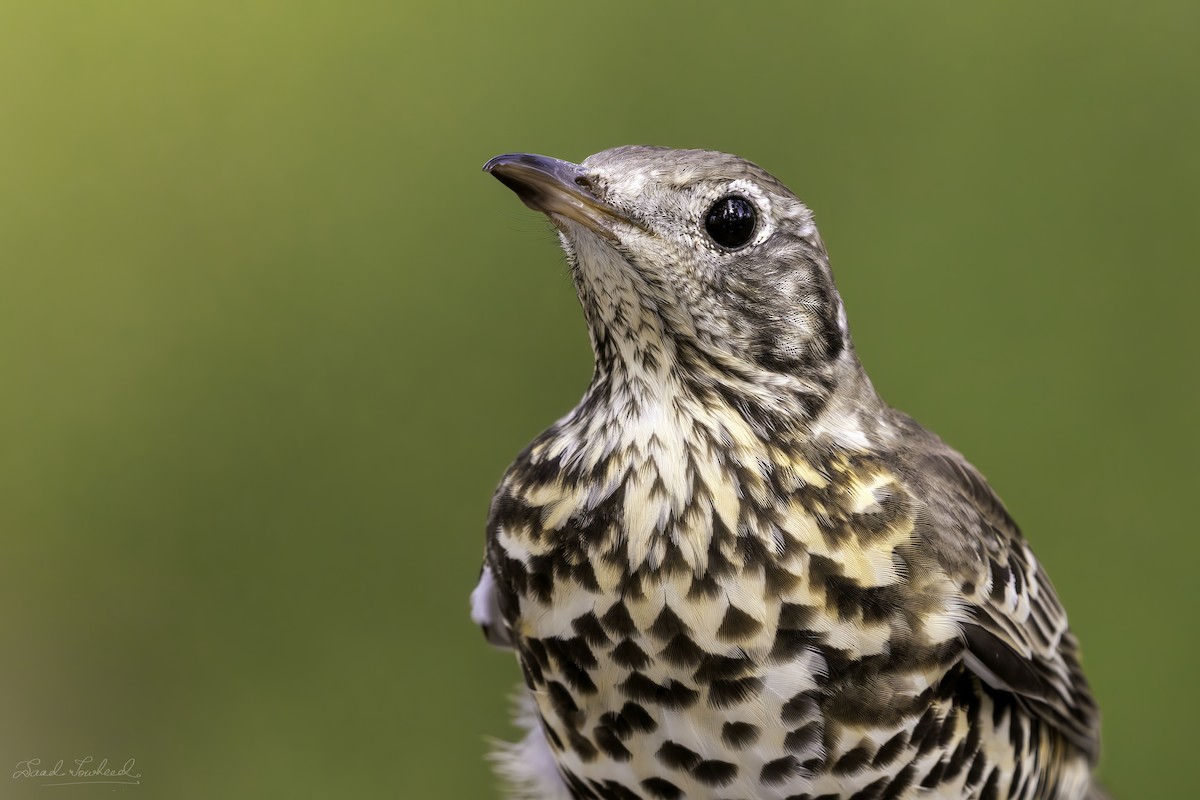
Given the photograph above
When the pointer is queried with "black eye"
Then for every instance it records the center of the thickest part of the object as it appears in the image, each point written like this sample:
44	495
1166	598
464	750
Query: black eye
730	222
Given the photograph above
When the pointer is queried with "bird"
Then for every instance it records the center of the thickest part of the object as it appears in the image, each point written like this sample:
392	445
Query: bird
732	571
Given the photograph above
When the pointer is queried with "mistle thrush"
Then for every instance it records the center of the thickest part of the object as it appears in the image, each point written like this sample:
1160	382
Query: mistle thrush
733	572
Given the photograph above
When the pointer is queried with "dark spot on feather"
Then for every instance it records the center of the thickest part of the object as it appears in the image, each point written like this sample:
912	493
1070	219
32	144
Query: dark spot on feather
791	645
617	723
999	581
737	625
716	668
638	718
890	750
800	708
779	771
739	734
681	651
978	763
804	738
608	741
715	773
613	790
957	761
668	625
580	744
617	620
946	734
531	673
852	761
726	693
934	777
563	703
991	788
673	695
589	627
676	756
704	587
663	789
872	791
627	654
796	616
899	784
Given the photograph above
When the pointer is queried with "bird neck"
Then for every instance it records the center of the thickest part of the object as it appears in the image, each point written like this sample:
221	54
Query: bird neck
648	352
649	366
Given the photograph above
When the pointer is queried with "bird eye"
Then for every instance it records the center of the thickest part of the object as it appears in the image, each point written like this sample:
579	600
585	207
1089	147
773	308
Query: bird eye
730	222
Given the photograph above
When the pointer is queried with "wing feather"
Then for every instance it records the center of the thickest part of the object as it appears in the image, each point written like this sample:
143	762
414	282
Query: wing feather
1017	640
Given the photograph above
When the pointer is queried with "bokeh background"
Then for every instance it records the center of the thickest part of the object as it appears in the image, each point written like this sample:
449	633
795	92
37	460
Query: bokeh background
268	338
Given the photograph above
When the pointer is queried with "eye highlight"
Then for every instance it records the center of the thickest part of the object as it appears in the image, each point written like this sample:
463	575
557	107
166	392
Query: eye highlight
731	221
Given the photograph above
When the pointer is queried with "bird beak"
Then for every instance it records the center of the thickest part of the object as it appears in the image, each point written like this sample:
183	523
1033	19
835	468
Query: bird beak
556	188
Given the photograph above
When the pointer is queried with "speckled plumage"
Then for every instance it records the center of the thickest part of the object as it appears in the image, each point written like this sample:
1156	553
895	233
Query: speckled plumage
732	571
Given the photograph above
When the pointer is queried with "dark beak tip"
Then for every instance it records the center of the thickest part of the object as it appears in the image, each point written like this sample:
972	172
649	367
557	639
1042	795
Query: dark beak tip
519	160
533	163
496	161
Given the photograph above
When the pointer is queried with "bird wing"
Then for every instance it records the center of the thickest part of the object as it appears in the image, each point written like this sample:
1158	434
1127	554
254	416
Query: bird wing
485	610
1017	637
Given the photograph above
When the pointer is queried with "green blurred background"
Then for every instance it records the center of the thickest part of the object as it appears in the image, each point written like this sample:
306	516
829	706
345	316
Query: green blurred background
268	338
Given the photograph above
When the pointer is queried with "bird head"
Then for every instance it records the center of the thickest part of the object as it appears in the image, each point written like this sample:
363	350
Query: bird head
690	256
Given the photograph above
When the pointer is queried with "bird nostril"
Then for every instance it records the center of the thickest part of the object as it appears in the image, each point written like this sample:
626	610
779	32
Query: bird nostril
584	181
